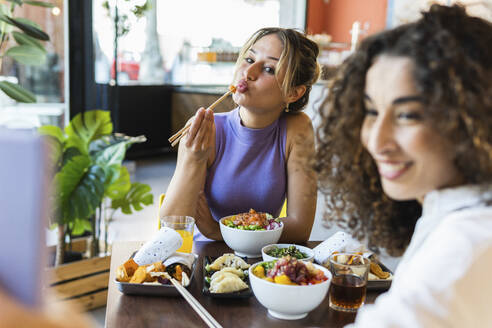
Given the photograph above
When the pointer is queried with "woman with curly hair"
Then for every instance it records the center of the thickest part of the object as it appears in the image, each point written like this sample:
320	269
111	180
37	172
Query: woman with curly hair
405	159
252	156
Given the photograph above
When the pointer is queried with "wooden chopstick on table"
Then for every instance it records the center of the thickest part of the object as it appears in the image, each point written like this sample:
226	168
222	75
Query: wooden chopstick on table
175	138
199	309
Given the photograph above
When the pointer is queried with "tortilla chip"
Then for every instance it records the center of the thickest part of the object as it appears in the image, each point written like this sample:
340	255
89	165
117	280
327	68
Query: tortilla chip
122	274
140	275
156	267
130	267
377	271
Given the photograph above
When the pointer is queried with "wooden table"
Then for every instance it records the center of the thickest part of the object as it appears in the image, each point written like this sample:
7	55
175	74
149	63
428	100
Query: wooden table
146	311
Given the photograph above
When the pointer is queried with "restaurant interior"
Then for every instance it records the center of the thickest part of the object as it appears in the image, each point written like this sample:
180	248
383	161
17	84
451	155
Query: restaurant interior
146	66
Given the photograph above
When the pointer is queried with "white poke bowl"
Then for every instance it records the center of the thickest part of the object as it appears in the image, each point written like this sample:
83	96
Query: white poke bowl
248	242
289	302
306	250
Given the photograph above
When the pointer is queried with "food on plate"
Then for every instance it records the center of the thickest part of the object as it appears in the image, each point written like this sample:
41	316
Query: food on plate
253	221
227	274
231	270
377	272
178	266
226	282
162	245
183	258
228	260
125	271
289	271
342	242
339	242
140	275
284	251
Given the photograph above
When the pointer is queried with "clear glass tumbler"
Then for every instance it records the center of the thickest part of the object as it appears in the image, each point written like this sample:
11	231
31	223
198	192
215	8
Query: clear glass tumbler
349	283
184	225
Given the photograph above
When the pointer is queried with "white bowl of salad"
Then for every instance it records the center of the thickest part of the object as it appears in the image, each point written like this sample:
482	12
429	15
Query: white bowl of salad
289	288
276	251
247	233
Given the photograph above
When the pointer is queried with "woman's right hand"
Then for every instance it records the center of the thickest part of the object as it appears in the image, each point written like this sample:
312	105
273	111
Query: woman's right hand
194	153
200	137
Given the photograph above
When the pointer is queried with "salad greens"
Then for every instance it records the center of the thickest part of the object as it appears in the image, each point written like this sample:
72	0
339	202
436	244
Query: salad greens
270	224
291	250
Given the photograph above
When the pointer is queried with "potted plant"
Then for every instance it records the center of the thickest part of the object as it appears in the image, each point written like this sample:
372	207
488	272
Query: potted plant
90	180
90	185
29	49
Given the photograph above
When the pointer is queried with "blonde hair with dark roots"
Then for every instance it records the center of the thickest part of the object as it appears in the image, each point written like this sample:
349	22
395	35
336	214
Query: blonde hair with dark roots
452	55
298	60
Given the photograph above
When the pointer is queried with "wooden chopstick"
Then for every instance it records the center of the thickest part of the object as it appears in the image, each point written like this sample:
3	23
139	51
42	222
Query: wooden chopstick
175	138
180	132
199	309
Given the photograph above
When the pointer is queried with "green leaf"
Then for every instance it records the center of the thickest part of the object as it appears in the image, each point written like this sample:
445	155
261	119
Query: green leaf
52	130
106	151
80	186
27	26
17	92
76	142
138	194
29	22
27	55
39	4
79	226
69	153
111	149
24	39
5	28
19	2
113	173
119	187
88	126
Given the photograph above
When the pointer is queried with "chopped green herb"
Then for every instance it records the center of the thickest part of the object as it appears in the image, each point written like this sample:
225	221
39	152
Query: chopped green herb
291	250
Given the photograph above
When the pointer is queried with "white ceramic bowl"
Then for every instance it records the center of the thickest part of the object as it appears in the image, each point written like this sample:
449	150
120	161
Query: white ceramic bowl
289	302
306	250
248	242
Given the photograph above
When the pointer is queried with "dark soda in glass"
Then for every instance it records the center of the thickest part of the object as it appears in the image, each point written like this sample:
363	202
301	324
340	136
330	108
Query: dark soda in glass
347	292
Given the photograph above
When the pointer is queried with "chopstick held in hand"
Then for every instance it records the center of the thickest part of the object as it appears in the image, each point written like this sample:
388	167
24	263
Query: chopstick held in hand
175	138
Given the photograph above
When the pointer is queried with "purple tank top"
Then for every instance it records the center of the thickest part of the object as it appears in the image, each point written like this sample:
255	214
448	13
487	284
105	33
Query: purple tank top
249	170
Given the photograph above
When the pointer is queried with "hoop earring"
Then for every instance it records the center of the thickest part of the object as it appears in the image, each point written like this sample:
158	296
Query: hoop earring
287	108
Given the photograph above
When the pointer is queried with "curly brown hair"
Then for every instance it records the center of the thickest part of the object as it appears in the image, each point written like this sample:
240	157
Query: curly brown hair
298	60
452	55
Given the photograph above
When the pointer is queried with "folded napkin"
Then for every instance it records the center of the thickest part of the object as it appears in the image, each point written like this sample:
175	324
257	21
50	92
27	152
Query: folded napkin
164	243
339	242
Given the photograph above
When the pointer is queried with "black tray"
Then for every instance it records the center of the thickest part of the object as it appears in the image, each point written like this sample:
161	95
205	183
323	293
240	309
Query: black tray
153	289
239	294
